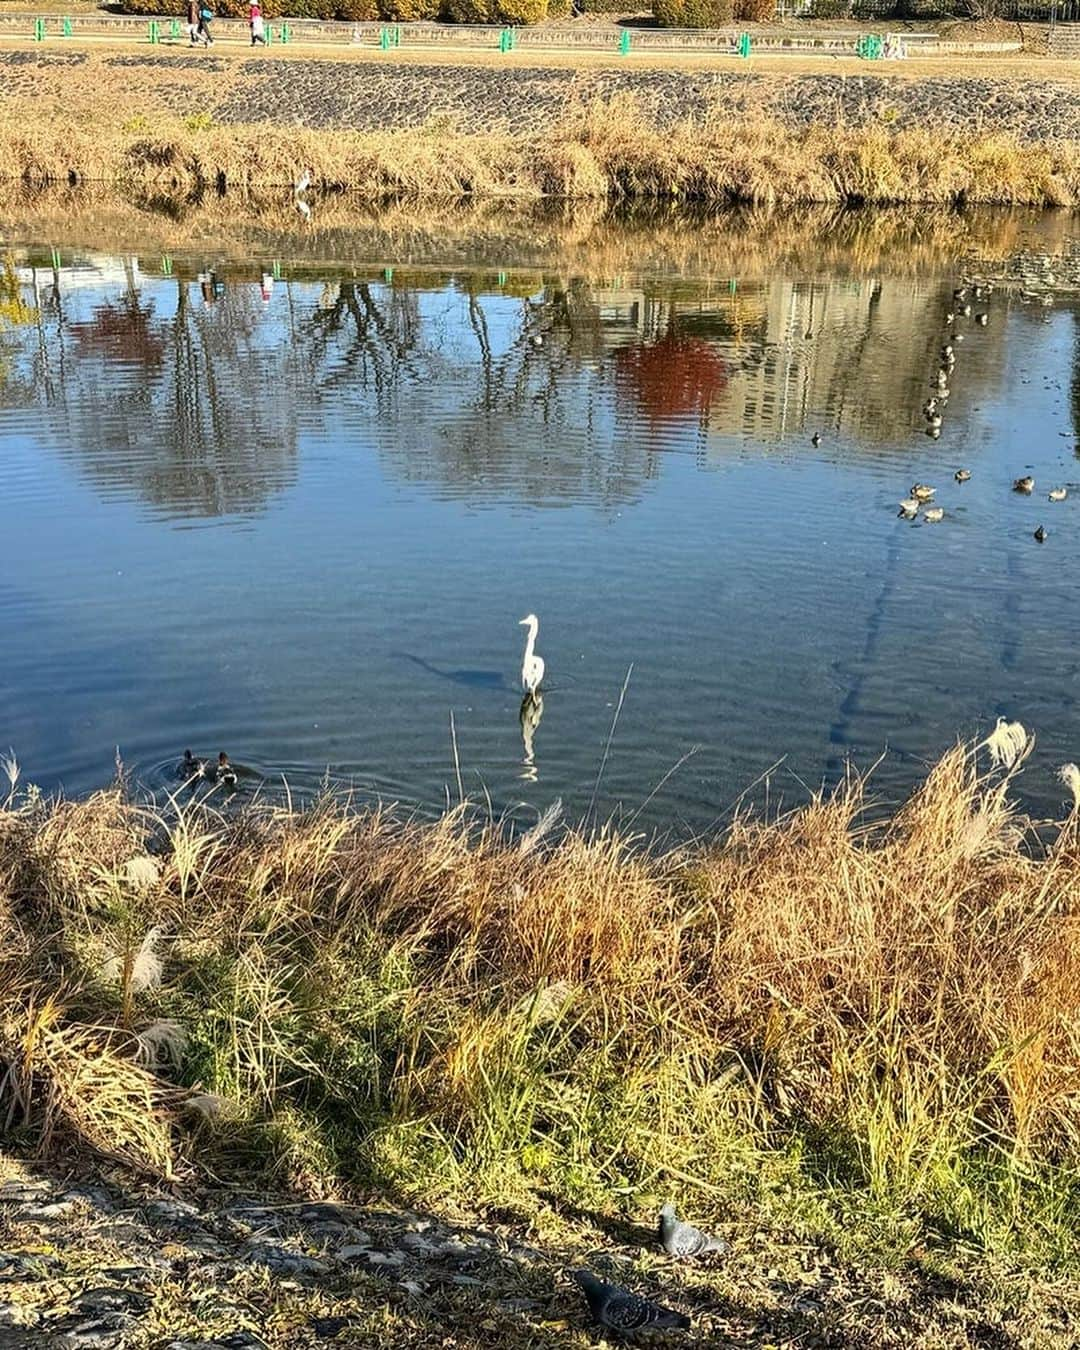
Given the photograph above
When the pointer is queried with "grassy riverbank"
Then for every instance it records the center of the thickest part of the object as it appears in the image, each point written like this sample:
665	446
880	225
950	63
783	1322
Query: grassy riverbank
867	1037
191	126
602	153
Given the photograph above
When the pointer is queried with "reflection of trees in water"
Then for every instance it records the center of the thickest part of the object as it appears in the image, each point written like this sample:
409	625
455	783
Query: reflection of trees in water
522	416
194	413
549	394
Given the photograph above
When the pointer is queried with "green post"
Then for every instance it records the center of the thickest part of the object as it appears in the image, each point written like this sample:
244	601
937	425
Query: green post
166	265
56	259
388	275
154	32
624	42
174	28
502	278
384	39
67	28
286	32
39	30
269	34
277	270
744	44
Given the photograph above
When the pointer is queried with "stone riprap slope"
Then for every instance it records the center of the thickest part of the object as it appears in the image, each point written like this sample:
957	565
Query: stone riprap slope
366	95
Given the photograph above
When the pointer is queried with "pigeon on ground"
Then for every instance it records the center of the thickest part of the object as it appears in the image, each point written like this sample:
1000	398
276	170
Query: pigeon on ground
683	1240
619	1310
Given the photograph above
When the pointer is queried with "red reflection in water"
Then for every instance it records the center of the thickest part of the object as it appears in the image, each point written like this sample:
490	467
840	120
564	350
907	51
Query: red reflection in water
672	377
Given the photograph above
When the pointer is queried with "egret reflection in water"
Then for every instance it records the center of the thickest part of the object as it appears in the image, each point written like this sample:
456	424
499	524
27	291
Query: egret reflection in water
532	709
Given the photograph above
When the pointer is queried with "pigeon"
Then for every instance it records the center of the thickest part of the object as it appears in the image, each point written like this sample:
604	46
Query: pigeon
683	1240
619	1310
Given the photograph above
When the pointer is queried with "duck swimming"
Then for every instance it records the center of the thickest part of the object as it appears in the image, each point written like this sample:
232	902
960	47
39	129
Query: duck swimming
982	320
930	407
935	513
909	508
1058	494
815	439
933	420
190	767
1024	484
962	475
922	492
1040	534
225	773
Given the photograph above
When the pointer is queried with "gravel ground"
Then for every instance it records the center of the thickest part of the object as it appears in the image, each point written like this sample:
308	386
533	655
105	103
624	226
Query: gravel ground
104	1262
525	99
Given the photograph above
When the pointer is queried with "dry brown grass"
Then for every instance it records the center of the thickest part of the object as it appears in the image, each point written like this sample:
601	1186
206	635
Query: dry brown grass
602	151
439	1007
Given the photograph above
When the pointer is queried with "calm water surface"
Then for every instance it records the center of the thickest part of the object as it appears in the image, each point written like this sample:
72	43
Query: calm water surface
299	519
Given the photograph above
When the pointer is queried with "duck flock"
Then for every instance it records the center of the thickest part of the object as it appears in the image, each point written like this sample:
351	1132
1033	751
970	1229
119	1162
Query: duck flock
919	502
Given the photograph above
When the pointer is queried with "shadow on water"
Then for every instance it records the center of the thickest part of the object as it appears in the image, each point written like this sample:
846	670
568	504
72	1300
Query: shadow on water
493	680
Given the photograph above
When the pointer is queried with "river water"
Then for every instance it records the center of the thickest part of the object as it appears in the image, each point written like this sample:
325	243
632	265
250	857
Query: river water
295	509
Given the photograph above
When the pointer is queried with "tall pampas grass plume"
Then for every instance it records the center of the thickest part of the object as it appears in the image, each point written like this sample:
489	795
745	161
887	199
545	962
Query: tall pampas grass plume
1070	776
1008	744
144	971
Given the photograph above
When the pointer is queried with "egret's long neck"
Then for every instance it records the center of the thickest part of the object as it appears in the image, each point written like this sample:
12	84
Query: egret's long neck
531	640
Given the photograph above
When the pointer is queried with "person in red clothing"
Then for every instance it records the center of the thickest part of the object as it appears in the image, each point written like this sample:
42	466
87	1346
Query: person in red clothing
255	23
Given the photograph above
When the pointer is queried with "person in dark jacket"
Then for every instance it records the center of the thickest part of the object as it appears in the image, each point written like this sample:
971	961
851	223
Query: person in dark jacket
206	15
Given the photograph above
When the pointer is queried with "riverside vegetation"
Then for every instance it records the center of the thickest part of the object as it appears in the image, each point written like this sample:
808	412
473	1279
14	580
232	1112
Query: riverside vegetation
863	1032
602	150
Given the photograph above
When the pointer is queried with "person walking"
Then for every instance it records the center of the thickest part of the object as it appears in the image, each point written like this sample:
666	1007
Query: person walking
206	15
255	23
193	21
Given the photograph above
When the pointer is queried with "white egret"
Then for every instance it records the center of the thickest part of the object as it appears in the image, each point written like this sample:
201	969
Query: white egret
532	666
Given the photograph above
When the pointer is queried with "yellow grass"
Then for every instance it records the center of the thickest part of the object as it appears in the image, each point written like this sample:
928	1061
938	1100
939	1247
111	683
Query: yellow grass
600	151
897	1005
